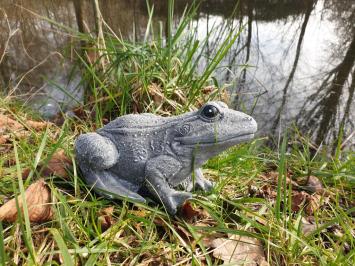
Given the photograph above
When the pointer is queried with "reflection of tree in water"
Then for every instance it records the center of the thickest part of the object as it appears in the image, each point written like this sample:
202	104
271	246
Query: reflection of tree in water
254	50
326	113
329	109
295	64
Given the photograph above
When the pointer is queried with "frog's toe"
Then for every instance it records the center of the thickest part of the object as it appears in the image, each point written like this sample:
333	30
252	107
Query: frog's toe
177	199
205	185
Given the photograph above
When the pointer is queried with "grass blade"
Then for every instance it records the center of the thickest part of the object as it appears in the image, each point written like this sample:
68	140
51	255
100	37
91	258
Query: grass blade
2	246
68	261
27	230
281	181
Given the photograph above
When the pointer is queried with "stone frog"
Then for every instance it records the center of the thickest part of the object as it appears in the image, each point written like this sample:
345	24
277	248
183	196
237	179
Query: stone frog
146	152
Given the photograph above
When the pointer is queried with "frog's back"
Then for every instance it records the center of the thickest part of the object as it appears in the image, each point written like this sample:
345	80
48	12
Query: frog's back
138	124
137	121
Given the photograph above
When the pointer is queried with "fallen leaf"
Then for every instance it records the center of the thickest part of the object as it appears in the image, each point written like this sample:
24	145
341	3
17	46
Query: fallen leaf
188	212
10	127
37	125
159	222
195	214
57	165
298	200
4	139
8	124
239	250
105	218
273	177
313	204
307	227
38	197
314	185
207	238
266	191
183	233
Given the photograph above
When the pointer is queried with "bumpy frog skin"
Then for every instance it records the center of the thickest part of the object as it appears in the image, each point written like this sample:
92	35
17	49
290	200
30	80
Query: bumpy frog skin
145	152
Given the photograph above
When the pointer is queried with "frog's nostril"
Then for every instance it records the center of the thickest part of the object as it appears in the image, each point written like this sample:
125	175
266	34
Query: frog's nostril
248	118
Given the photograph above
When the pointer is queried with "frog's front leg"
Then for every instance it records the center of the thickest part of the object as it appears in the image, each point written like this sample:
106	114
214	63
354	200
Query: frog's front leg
157	173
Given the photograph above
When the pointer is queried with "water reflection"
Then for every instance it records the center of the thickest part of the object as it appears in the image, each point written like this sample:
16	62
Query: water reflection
294	60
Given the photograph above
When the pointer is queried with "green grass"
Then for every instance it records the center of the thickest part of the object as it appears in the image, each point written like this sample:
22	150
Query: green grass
127	76
141	232
159	74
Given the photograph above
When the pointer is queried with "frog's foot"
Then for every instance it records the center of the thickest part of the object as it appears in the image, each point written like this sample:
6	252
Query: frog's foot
176	200
204	184
109	185
201	182
197	182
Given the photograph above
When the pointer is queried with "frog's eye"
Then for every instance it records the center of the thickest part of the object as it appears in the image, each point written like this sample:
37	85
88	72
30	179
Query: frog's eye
210	111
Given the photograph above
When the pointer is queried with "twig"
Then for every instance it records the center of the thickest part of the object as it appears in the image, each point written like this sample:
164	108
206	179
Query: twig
11	34
101	45
342	146
29	71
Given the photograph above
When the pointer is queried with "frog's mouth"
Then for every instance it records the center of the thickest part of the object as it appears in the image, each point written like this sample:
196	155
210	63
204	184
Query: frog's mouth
198	141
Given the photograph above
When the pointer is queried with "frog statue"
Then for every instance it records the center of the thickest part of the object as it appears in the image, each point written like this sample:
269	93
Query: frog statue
146	152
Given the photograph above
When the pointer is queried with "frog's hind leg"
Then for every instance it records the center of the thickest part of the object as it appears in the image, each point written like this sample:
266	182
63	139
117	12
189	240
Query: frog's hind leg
96	155
109	185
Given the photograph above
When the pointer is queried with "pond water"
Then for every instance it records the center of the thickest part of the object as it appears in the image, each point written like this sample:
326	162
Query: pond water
300	56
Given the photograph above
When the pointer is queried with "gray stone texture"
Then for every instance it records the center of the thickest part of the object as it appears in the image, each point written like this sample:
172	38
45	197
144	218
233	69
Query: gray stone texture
146	152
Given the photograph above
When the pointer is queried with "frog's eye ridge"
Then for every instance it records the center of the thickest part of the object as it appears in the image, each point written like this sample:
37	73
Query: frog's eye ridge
210	111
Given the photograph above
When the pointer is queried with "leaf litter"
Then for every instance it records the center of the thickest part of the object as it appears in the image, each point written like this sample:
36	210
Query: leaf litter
9	128
239	250
59	165
308	197
38	199
229	248
105	218
38	195
232	249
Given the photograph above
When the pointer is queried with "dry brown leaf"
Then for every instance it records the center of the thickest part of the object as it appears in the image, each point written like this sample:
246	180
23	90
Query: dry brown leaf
10	127
196	215
207	238
266	191
105	218
4	139
183	233
57	165
188	212
298	200
314	202
307	227
239	250
37	125
38	197
156	92
314	185
8	124
159	222
273	177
